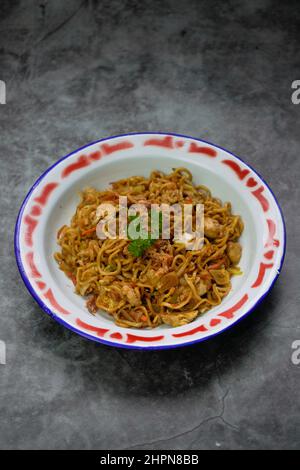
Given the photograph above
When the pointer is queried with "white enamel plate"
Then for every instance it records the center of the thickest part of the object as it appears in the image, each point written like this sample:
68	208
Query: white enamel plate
53	198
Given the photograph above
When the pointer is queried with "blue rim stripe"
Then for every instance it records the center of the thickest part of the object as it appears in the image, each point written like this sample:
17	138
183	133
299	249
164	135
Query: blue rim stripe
104	341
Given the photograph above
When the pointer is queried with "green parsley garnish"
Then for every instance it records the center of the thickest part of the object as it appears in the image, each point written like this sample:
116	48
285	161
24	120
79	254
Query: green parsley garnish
138	246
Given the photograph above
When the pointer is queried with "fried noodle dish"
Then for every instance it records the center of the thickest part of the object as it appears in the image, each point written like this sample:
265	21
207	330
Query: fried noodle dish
146	283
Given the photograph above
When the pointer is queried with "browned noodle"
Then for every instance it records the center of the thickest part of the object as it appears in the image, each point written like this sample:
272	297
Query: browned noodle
167	284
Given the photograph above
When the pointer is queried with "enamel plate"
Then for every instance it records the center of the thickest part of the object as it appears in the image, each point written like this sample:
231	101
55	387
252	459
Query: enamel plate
53	198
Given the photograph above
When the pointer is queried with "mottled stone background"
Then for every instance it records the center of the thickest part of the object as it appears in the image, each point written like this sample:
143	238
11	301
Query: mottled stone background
77	71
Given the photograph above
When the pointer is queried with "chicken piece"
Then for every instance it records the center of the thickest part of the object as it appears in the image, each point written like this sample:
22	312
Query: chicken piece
212	228
179	319
221	276
133	295
107	300
167	281
91	304
163	247
110	196
160	265
204	286
154	275
161	260
170	196
234	252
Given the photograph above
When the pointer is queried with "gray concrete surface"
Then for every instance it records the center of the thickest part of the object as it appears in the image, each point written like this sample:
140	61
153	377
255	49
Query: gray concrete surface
77	71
